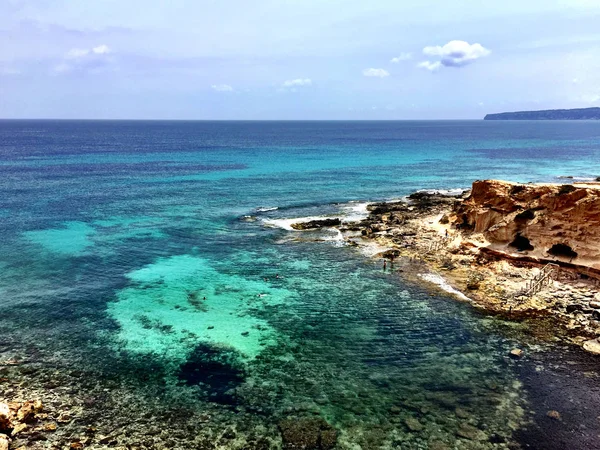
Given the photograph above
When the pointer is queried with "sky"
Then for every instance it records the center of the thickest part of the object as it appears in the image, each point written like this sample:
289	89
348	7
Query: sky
296	59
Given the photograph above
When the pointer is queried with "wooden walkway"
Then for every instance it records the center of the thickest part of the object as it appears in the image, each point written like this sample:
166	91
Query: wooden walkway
548	273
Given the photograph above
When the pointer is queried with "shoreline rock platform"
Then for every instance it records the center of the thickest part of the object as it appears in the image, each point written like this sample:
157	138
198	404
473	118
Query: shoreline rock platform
520	250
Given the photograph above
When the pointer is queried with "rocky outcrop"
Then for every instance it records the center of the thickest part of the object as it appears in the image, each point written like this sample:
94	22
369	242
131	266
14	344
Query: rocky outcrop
17	418
556	222
315	224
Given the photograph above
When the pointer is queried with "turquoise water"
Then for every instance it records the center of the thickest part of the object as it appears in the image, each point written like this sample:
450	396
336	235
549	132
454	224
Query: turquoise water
155	254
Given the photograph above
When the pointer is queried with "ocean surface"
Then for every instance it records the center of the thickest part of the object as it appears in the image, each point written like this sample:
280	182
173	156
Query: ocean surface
150	266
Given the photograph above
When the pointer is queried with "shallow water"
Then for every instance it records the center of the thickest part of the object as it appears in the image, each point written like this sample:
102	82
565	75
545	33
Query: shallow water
156	257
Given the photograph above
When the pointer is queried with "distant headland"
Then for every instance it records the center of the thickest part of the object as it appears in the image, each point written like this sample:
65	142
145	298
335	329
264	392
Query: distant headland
548	114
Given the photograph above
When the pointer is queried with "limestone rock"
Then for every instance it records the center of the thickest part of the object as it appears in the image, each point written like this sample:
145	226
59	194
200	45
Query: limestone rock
592	346
26	412
18	428
50	426
549	221
5	422
516	353
4	442
555	415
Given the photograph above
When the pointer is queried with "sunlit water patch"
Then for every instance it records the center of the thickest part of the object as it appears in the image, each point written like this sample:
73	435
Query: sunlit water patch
177	302
73	239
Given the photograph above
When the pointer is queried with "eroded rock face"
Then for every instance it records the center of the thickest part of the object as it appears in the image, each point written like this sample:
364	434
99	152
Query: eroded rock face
548	221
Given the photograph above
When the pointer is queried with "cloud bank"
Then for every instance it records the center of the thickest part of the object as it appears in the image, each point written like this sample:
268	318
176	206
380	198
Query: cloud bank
379	73
453	54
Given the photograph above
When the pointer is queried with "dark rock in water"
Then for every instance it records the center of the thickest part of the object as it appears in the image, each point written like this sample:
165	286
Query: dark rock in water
382	208
220	372
307	433
319	223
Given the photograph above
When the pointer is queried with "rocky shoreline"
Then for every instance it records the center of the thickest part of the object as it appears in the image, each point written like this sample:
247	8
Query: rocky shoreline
482	245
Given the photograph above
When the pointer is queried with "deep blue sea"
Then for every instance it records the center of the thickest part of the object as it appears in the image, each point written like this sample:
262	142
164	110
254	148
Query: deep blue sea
153	259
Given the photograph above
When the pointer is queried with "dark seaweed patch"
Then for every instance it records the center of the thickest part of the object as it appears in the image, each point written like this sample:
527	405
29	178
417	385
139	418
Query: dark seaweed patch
218	372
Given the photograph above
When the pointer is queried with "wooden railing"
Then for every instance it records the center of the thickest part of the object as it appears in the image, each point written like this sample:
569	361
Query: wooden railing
548	273
436	244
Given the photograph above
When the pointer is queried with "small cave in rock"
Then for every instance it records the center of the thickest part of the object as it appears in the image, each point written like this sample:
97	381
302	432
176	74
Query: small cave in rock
562	250
516	189
465	225
521	243
526	215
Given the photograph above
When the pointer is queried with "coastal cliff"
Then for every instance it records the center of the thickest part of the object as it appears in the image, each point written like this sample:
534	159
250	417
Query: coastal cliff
552	222
548	114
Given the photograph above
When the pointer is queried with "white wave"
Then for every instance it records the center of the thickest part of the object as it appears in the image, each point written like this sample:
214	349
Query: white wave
286	224
355	211
266	208
371	249
336	237
445	192
443	284
577	179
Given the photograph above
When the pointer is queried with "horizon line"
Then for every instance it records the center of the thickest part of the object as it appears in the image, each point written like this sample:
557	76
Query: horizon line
231	120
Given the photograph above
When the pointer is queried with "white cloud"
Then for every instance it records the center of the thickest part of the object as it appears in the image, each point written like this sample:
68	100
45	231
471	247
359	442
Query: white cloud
401	57
222	88
380	73
81	59
78	53
453	54
297	82
101	49
431	66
